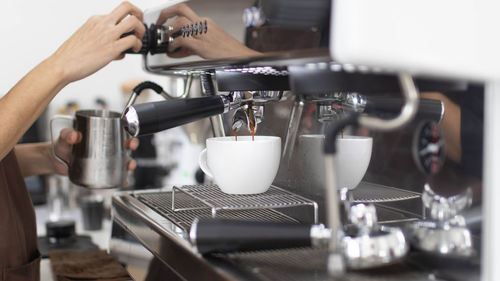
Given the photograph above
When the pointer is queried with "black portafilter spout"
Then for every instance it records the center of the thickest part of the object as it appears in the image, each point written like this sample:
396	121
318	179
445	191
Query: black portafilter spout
153	117
213	235
428	109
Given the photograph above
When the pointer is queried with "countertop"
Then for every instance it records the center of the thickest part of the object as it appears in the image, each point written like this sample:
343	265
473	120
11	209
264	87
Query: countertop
99	237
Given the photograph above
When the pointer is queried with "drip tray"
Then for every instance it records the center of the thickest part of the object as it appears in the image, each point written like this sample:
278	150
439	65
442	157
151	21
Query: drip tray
376	193
210	196
161	202
305	264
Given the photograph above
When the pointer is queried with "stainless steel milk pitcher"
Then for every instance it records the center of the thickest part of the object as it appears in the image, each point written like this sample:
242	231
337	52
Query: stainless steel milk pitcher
100	159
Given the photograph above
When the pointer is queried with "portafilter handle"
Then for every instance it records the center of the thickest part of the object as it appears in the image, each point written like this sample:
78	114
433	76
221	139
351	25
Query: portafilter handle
153	117
428	109
214	235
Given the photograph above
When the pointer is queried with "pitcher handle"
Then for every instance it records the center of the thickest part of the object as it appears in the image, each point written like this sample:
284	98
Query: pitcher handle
59	116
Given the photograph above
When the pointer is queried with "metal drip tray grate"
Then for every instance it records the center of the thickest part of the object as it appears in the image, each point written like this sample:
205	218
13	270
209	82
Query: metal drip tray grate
210	196
161	202
376	193
296	259
306	264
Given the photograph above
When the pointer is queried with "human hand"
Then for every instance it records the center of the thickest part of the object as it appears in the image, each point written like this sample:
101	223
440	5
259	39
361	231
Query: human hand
98	42
214	44
64	145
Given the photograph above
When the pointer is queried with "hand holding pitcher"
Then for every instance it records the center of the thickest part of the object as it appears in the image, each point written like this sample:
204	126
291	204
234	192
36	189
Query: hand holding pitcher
68	138
94	152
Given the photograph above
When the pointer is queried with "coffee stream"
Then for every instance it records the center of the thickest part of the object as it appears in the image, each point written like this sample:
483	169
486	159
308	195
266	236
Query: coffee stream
251	123
252	132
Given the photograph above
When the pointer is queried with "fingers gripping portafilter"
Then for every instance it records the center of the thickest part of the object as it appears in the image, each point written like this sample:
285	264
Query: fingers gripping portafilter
157	37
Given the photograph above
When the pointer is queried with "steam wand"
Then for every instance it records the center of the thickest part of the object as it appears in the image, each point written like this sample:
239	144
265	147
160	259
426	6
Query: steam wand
141	87
390	236
336	264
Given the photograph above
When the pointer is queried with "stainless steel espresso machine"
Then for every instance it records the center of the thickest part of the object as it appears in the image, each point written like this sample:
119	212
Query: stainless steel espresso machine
415	215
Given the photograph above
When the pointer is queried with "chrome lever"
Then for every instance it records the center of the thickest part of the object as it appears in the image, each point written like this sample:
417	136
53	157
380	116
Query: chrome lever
445	233
444	208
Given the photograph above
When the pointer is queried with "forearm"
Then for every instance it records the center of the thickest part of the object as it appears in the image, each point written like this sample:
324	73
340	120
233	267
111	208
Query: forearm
90	48
35	159
26	101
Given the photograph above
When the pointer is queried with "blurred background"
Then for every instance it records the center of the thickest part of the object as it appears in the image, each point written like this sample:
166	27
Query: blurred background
37	28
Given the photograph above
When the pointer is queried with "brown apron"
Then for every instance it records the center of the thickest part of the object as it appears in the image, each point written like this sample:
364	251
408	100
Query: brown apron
19	255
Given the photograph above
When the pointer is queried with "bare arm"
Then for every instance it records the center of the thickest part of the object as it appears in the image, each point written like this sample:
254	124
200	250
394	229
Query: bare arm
90	48
26	101
34	159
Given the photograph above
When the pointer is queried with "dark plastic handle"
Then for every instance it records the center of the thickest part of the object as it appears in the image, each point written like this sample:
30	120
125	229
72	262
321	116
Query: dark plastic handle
145	42
147	85
150	41
158	116
224	236
428	109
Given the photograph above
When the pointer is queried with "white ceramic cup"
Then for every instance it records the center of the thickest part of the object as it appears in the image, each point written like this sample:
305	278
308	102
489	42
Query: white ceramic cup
352	159
243	166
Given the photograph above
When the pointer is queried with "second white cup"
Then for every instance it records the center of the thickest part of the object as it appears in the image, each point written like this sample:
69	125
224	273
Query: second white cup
244	166
352	159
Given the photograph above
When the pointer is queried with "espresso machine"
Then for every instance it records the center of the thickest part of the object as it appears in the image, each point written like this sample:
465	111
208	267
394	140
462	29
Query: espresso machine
415	215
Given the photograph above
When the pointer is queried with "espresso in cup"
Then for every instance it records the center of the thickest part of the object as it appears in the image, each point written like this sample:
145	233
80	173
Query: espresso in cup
244	166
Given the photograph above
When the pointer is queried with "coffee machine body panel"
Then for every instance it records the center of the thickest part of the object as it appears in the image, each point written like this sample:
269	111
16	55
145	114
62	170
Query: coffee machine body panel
444	38
251	30
316	94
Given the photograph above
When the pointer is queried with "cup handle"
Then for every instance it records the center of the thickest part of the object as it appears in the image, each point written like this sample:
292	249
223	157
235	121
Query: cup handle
67	117
202	160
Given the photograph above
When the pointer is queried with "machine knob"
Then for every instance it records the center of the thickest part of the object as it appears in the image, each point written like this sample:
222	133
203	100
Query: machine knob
154	40
428	148
145	41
